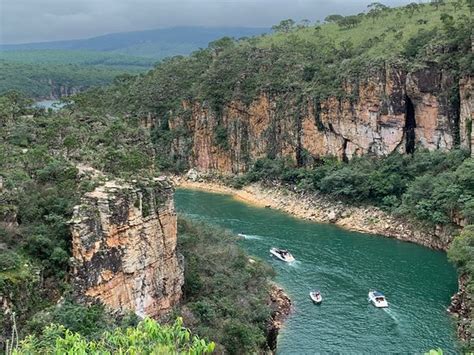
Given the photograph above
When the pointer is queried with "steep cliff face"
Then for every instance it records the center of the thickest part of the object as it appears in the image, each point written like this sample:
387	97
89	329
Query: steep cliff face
391	110
466	93
461	307
60	91
124	247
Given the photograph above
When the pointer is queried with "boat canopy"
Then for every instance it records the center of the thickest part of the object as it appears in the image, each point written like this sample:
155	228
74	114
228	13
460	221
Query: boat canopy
378	294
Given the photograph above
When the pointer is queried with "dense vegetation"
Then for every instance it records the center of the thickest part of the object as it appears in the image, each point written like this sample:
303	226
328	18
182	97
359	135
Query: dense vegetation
432	187
225	293
56	80
40	70
302	59
148	337
43	155
461	252
40	183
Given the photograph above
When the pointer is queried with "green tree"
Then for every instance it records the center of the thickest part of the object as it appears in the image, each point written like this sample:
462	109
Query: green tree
284	26
333	18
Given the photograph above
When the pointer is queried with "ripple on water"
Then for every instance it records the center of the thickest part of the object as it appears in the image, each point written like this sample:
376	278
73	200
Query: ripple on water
418	282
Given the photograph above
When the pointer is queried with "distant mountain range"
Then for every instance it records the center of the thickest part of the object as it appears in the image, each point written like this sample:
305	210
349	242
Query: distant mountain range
158	43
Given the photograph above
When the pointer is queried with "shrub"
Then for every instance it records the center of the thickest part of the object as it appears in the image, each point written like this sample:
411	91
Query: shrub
148	337
9	260
221	284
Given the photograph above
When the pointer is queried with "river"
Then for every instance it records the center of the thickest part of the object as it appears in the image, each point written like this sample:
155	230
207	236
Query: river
418	282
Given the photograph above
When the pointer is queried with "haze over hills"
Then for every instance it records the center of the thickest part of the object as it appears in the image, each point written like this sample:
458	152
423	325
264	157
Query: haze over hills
54	69
157	43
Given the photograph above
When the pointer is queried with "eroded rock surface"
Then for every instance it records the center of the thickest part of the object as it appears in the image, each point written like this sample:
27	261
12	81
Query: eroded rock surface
390	111
124	247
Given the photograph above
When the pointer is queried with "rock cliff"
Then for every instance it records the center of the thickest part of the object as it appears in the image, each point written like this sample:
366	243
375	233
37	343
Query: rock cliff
461	307
391	110
124	247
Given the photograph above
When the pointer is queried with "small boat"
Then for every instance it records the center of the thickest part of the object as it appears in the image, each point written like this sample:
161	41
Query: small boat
282	254
377	298
316	297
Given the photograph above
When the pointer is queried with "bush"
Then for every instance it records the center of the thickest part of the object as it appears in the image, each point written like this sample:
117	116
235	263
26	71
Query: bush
432	187
9	260
221	284
88	321
148	337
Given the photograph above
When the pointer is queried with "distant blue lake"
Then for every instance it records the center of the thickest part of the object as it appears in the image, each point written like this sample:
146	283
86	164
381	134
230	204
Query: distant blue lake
53	104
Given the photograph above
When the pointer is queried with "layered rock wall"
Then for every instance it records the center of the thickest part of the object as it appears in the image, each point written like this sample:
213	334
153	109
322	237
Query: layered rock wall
392	110
124	247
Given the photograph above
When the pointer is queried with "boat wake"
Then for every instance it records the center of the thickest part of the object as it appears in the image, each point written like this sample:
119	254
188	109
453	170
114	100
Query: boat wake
392	314
296	264
250	236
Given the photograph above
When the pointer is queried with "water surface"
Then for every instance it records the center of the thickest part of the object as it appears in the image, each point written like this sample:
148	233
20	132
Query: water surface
418	282
49	104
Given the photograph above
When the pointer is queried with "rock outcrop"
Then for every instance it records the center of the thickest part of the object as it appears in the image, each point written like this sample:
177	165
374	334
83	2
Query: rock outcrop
466	93
281	307
391	110
461	307
124	247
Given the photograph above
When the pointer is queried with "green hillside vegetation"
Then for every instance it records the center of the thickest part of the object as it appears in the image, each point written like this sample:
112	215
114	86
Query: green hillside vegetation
39	154
461	252
428	187
96	61
90	58
148	337
44	80
301	59
225	295
314	61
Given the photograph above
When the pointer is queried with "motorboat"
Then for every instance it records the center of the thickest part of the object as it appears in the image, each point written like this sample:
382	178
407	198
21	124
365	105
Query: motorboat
316	297
282	254
377	298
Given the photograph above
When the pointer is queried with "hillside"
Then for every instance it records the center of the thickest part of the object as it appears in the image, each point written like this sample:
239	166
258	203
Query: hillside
371	111
55	69
157	44
375	83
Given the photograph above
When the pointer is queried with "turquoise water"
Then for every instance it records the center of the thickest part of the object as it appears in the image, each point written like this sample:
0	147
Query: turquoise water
418	282
53	104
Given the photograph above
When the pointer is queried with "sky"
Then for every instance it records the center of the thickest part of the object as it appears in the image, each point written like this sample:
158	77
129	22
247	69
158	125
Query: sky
24	21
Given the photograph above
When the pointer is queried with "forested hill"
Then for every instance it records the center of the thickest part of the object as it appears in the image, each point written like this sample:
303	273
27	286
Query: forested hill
157	43
56	69
291	106
386	80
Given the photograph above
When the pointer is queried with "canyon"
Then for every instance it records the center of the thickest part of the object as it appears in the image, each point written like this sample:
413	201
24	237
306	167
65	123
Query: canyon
392	110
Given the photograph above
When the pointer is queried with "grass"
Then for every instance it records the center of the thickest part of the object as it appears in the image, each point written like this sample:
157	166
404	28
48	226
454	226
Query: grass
395	27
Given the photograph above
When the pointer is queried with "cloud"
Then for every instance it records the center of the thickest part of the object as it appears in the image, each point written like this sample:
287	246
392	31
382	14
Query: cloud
47	20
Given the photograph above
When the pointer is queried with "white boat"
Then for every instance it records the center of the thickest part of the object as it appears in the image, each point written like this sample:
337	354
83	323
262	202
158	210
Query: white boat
282	254
316	297
377	298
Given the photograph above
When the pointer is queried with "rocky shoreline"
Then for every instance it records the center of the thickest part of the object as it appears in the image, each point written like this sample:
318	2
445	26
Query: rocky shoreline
367	219
460	308
364	219
281	307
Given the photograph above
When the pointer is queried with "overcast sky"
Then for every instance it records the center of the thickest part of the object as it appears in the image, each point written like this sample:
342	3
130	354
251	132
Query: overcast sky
48	20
